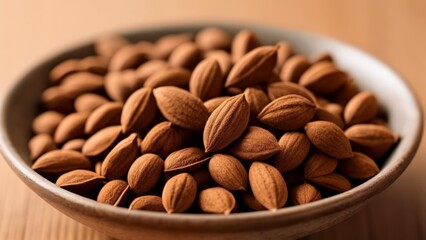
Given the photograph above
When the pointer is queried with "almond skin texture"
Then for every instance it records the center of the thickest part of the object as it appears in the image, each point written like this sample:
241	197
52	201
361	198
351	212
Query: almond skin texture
288	113
47	122
268	186
121	157
40	144
179	193
89	102
178	77
280	89
256	144
80	181
254	68
359	166
163	139
187	55
107	114
223	58
72	126
256	99
216	200
361	108
305	193
294	147
329	139
213	38
145	173
243	42
206	80
181	108
319	165
323	78
213	103
138	111
228	172
114	193
185	160
324	115
99	142
226	123
147	203
333	181
251	202
58	162
293	68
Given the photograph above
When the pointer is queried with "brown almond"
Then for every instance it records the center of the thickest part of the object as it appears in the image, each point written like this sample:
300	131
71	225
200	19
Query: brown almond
319	165
58	162
93	64
147	69
345	92
203	178
80	181
114	193
223	58
120	85
88	102
213	103
47	122
359	166
305	193
294	147
178	77
185	160
147	203
280	89
118	161
256	144
324	115
163	139
79	83
329	139
102	140
284	52
323	78
256	99
334	108
268	186
213	38
129	56
293	68
98	168
361	108
186	55
53	100
63	69
243	42
228	172
179	193
181	108
226	123
145	173
74	144
216	200
107	114
254	68
251	202
206	80
323	57
333	181
40	144
288	113
109	45
138	111
165	45
72	126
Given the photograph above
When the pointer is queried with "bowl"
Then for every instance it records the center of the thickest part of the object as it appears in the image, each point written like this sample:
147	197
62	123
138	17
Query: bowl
20	104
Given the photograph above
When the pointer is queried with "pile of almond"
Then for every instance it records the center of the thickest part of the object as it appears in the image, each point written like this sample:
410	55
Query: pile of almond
208	123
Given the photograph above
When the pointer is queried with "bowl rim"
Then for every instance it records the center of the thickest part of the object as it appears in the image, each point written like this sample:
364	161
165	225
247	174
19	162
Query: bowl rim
340	201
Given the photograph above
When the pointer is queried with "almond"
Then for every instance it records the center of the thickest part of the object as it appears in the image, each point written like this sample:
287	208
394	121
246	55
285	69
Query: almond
294	147
147	69
223	58
102	140
305	193
268	186
333	181
120	85
118	161
145	173
129	56
147	203
178	77
74	144
203	178
80	83
72	126
226	123
58	162
138	111
361	108
256	99
359	166
256	144
186	55
213	103
319	165
213	38
293	68
329	138
288	113
181	108
324	115
165	45
284	52
185	160
179	193
80	181
251	202
109	45
88	102
243	42
216	200
106	115
93	64
63	69
40	144
323	78
334	108
345	92
206	80
47	122
253	68
114	193
98	168
280	89
53	99
163	139
323	57
228	172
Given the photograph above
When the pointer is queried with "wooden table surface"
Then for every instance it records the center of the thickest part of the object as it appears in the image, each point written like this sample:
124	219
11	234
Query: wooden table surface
392	30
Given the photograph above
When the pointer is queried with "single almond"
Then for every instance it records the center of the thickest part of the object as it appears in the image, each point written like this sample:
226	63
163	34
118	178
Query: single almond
120	85
53	100
107	114
293	68
129	56
178	77
280	89
251	202
206	80
185	160
256	144
305	193
323	57
179	193
216	200
109	45
93	64
213	38
80	83
118	161
147	69
181	108
288	113
98	168
165	45
145	173
253	68
63	69
74	144
102	140
228	172
333	181
80	181
58	162
319	165
226	123
256	99
203	178
361	108
88	102
345	92
323	78
359	166
40	144
324	115
138	111
334	108
294	147
243	42
329	139
223	58
234	91
268	186
213	103
186	55
72	126
284	52
47	122
114	193
163	139
147	203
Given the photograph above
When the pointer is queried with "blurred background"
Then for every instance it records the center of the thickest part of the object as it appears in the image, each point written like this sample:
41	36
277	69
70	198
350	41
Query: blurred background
393	30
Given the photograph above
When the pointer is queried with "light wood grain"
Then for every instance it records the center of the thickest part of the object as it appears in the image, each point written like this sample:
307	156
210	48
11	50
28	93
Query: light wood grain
392	30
